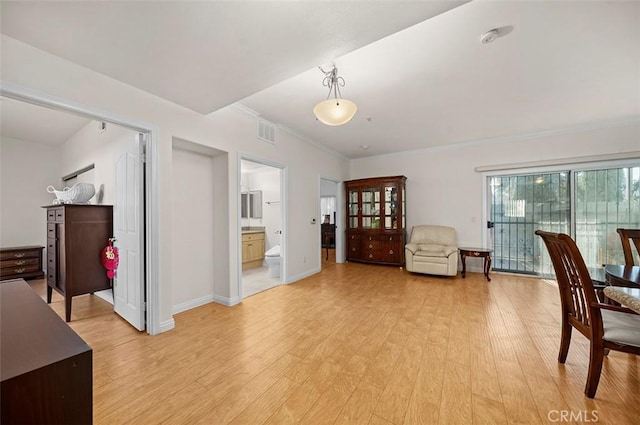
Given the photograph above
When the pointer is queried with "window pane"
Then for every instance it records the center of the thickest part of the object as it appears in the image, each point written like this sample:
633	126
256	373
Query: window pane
520	206
605	200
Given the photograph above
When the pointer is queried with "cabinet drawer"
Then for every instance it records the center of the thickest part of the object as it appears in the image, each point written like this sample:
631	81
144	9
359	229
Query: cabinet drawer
51	215
59	214
51	245
20	254
247	237
19	262
51	231
9	271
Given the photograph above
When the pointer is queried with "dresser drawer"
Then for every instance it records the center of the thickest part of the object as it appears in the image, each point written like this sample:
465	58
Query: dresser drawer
20	254
19	262
19	270
51	231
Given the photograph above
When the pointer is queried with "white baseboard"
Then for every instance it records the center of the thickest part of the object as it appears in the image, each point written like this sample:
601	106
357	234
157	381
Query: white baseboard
192	304
297	277
168	325
229	302
106	295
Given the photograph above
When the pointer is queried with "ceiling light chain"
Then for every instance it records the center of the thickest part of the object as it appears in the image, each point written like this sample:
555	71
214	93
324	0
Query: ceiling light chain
332	81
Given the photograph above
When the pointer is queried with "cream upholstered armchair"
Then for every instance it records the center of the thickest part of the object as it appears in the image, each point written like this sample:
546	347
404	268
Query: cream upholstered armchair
432	250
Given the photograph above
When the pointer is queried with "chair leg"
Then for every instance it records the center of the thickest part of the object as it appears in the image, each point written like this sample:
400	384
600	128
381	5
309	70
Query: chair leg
565	340
596	356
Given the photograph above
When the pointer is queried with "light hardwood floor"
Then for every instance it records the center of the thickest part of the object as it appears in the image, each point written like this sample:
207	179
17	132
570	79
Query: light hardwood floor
356	344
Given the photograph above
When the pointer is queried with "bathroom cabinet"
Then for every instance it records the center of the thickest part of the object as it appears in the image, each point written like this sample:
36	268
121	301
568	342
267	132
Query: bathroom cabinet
252	250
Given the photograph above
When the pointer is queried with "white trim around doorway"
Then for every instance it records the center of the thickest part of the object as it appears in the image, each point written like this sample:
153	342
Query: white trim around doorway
152	189
284	279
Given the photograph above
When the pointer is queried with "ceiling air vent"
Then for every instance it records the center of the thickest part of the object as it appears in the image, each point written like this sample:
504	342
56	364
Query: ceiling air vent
266	131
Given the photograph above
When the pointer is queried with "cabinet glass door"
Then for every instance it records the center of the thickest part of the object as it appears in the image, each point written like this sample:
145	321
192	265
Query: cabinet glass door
353	209
404	208
370	208
390	207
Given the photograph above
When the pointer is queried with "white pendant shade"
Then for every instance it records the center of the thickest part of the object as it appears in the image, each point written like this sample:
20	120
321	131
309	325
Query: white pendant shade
335	111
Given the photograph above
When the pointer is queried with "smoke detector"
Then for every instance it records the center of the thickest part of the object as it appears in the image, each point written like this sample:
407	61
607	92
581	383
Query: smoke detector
490	36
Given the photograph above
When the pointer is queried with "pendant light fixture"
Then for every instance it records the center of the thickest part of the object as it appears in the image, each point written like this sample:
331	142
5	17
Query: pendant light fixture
335	110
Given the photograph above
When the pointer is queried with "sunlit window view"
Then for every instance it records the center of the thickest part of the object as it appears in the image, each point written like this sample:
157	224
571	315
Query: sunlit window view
603	200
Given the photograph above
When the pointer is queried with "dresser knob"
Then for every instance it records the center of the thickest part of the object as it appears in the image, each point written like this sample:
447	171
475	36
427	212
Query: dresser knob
391	251
370	246
19	263
370	255
20	270
19	255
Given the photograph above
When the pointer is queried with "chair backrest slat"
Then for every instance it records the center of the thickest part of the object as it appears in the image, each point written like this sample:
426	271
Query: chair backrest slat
626	237
574	282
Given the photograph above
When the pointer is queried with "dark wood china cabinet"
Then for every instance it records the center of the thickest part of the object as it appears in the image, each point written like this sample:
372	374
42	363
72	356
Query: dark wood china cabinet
376	220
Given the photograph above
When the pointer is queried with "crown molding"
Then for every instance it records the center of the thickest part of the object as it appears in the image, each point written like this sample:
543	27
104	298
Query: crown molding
595	126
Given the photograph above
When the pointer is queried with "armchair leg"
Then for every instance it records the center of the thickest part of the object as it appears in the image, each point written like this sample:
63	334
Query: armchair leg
596	356
565	341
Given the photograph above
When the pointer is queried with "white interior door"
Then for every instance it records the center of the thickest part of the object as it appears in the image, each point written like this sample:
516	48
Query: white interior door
128	223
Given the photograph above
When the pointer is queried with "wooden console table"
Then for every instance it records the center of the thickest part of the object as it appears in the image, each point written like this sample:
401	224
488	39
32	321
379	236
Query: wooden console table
483	253
47	371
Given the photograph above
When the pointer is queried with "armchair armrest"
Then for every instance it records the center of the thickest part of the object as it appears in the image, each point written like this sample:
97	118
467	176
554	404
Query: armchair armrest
448	250
413	247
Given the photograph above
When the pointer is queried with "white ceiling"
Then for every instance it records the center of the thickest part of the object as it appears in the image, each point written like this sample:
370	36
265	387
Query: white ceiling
35	124
426	82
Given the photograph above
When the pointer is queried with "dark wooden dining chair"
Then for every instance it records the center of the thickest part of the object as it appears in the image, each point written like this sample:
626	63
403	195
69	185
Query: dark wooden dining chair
606	326
627	236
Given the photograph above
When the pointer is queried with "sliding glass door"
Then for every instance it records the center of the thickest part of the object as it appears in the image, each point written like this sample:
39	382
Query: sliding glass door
520	205
587	204
605	200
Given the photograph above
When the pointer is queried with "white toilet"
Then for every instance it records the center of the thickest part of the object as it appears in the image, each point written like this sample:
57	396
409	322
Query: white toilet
272	258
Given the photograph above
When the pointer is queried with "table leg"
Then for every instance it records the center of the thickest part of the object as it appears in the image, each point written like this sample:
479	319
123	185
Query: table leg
464	265
49	293
67	308
487	267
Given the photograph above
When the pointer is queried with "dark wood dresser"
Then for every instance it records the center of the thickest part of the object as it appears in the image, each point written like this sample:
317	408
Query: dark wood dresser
76	236
21	262
47	371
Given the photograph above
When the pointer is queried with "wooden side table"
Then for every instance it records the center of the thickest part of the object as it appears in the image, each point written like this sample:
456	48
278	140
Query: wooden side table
483	253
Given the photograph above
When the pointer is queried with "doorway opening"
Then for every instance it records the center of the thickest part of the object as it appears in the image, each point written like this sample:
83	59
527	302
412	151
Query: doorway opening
328	221
146	213
261	226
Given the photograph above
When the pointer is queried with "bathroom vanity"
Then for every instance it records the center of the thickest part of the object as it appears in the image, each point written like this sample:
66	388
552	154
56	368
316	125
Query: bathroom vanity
253	244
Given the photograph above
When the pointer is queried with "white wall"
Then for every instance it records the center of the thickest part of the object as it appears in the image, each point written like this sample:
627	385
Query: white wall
26	169
228	130
192	229
444	188
89	146
328	188
267	181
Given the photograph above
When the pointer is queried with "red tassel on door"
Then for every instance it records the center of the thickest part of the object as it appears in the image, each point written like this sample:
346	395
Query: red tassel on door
110	258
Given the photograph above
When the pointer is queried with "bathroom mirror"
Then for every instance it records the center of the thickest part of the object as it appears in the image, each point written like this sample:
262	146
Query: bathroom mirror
251	204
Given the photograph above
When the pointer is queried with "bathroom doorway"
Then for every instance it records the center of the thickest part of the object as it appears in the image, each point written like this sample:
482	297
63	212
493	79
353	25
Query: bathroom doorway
261	217
328	221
